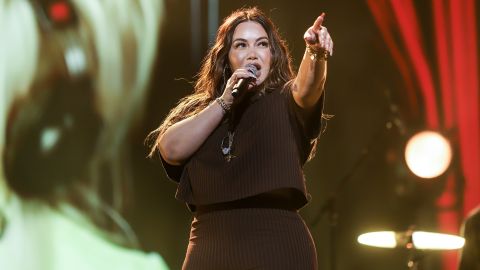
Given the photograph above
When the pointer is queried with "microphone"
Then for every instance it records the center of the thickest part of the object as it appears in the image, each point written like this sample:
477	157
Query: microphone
243	83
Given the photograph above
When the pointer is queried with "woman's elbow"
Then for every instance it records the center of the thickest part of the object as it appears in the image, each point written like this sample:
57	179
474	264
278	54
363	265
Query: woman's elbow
170	153
307	99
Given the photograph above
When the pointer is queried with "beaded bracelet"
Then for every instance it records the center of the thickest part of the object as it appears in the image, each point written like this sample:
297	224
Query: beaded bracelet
317	54
221	102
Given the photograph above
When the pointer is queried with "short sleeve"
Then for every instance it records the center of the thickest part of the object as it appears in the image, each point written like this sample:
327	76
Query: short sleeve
311	123
174	172
307	125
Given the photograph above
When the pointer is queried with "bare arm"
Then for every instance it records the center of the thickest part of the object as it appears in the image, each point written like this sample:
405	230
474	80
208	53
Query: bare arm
309	83
184	138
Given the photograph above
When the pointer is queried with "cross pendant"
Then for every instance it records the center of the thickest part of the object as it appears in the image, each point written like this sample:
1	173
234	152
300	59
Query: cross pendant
229	157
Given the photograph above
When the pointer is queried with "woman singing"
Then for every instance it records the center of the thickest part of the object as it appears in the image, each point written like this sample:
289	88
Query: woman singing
238	159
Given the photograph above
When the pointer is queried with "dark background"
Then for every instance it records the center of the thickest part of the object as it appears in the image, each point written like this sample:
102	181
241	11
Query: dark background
359	160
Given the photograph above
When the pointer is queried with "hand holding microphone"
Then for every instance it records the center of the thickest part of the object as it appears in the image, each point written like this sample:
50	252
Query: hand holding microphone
243	83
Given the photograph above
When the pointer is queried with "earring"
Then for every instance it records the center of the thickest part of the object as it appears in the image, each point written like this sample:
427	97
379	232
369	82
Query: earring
224	76
225	69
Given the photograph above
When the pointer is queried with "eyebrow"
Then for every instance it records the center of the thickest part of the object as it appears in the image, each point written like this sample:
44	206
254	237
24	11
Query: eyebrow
242	39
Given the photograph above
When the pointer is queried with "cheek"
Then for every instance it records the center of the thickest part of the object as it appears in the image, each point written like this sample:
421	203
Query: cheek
267	59
265	74
268	65
235	60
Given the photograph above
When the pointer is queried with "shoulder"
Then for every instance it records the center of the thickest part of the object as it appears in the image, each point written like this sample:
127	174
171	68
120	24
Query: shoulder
474	216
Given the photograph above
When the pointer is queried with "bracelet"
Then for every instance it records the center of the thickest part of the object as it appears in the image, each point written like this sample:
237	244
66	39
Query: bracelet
317	54
221	102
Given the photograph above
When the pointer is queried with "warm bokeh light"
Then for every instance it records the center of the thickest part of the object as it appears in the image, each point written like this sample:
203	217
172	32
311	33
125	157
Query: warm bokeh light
428	154
428	240
384	239
419	239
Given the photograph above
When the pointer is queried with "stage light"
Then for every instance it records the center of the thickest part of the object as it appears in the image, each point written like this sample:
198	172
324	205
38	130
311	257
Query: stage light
412	240
429	240
428	154
384	239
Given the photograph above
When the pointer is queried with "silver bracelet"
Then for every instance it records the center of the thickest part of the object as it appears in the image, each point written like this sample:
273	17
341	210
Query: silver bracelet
221	102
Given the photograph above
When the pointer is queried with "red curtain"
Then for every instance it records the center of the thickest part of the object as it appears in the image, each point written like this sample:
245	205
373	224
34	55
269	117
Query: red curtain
454	104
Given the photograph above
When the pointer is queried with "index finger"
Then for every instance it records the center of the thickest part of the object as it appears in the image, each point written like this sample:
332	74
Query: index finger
317	25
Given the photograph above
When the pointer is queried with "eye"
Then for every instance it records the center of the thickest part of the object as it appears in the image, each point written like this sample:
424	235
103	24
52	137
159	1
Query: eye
263	43
240	45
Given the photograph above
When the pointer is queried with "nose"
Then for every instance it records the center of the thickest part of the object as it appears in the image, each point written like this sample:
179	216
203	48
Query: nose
252	54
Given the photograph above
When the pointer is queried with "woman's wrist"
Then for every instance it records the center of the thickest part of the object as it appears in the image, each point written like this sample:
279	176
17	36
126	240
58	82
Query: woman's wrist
225	106
317	53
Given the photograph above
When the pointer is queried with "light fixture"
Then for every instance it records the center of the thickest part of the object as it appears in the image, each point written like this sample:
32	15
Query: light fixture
385	239
428	154
412	240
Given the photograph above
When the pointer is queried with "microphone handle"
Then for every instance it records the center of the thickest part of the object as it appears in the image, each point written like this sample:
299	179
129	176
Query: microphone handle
240	85
236	91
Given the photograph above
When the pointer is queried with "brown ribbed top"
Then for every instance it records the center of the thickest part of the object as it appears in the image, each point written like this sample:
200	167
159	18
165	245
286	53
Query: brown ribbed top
272	141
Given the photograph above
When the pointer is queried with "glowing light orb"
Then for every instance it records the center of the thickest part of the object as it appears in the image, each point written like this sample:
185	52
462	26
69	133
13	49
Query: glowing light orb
428	154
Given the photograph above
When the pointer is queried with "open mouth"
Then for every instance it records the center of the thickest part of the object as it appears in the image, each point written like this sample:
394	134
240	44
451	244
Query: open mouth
255	69
257	66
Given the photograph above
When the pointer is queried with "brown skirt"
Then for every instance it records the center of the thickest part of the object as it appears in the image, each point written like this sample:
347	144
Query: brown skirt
250	238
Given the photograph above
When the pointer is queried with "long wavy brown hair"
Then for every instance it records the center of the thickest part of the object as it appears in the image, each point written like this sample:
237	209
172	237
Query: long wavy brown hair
215	69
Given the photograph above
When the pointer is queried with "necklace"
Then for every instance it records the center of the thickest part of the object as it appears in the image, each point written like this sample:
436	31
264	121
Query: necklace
227	142
227	146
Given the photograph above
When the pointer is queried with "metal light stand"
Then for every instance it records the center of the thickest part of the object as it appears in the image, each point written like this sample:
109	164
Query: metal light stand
414	254
330	205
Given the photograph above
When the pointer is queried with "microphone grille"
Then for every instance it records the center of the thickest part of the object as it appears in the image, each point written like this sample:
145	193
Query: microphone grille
251	68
